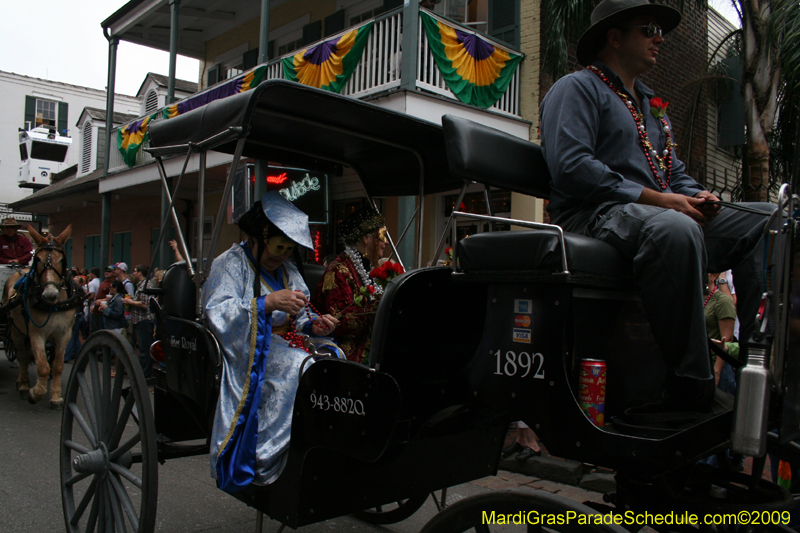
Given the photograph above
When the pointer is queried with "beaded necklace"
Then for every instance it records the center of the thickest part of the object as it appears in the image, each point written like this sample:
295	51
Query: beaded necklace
710	295
665	161
355	257
295	339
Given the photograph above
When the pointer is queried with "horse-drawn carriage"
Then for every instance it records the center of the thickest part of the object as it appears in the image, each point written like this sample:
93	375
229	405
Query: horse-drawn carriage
447	373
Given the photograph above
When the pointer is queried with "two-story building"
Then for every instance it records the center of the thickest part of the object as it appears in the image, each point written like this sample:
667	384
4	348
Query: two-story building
396	67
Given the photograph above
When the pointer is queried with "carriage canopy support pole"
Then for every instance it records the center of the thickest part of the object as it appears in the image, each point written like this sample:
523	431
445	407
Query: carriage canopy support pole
201	215
174	216
450	220
158	248
223	204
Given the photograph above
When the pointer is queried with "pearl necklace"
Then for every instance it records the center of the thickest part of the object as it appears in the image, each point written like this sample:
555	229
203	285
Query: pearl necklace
355	257
664	162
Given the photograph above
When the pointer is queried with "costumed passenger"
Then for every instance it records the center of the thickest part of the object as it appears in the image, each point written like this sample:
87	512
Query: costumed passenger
249	305
346	290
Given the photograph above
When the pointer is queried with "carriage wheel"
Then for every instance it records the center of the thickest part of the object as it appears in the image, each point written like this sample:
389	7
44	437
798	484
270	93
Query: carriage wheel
470	513
109	469
392	513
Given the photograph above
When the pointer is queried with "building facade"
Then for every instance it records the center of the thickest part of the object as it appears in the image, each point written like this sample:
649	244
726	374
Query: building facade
31	102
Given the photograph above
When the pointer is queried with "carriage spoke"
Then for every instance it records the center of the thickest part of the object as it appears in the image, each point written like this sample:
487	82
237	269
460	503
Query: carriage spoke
108	362
97	506
90	492
116	393
87	401
78	477
116	511
130	443
74	446
82	423
96	391
108	515
125	500
113	440
127	474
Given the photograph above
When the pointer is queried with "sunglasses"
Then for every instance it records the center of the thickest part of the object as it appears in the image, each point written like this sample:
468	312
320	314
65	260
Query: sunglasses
651	30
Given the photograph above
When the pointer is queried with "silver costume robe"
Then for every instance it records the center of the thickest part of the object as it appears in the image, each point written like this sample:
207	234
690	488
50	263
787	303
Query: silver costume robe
229	304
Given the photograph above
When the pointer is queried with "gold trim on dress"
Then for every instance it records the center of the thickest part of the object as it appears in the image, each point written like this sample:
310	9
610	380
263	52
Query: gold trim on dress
246	387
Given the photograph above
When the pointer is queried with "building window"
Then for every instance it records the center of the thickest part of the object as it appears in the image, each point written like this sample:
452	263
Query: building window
45	113
291	46
151	102
86	155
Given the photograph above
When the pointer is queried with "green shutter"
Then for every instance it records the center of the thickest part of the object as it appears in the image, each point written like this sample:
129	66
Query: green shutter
68	252
62	119
504	21
730	109
30	112
334	23
121	243
250	59
312	32
93	252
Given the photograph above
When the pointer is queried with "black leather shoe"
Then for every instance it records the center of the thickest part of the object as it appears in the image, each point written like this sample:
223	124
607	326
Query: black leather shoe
526	453
514	448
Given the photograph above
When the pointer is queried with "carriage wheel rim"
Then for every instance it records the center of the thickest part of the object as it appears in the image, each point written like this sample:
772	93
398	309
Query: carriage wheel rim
100	490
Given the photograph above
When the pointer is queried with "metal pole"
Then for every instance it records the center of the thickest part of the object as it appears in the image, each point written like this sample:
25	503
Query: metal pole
113	42
263	57
174	5
411	48
105	209
105	228
201	187
263	36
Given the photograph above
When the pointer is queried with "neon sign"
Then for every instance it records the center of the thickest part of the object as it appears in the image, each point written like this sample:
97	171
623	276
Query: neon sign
277	179
299	188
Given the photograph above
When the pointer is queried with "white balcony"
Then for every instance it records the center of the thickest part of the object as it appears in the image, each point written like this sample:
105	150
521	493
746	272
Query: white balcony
377	71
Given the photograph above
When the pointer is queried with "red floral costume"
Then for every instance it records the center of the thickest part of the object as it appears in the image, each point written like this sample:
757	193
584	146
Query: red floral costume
335	295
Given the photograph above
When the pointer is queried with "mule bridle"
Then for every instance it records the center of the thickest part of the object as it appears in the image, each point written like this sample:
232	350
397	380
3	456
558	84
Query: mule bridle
63	281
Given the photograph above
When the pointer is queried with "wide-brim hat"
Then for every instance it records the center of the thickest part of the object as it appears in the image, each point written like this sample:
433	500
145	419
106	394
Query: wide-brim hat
287	218
609	13
11	223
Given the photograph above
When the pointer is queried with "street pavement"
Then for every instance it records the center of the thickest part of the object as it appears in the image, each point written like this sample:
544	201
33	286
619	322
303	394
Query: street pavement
188	500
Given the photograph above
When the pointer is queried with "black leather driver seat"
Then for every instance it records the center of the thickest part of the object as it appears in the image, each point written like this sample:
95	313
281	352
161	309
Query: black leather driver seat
479	153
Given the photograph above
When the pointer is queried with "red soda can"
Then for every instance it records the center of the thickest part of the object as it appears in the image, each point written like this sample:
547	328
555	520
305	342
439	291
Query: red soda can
592	389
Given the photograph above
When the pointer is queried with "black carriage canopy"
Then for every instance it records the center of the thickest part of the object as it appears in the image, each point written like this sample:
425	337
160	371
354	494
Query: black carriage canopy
297	125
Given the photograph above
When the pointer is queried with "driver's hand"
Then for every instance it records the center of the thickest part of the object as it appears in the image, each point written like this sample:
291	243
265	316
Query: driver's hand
710	211
290	302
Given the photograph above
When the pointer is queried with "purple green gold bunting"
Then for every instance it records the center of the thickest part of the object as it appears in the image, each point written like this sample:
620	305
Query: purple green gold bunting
131	137
477	71
329	64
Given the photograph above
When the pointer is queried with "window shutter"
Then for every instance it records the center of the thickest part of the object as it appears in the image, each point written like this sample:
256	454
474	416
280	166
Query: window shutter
504	21
270	50
250	59
312	32
63	116
30	112
334	23
391	4
213	76
86	156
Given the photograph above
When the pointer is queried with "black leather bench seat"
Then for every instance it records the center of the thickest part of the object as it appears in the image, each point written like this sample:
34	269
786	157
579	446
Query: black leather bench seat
540	250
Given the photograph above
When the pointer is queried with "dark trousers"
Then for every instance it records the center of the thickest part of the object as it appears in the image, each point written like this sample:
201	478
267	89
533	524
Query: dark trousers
671	257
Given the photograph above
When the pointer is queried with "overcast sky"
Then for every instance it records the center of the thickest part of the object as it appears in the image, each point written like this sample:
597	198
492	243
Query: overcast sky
61	40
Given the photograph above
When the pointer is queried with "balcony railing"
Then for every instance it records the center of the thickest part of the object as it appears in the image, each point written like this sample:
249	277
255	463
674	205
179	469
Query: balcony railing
377	71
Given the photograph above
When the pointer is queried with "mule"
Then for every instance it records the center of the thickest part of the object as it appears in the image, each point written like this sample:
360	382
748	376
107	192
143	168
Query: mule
41	303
